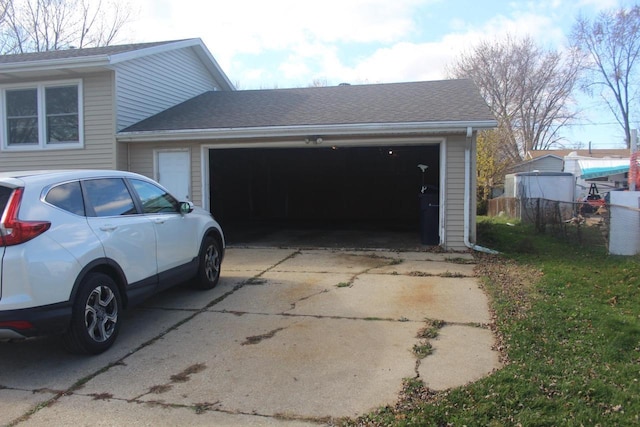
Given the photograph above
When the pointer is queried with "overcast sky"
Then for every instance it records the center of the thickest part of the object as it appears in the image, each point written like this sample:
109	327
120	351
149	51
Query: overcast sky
265	44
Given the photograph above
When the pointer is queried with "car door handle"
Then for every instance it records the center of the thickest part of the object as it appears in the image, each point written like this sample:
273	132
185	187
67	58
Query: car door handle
159	220
108	227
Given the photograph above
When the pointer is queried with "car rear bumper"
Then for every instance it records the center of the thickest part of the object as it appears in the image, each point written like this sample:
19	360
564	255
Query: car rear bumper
31	322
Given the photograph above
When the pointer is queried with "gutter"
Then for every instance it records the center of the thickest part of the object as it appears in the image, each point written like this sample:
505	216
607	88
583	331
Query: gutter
467	195
302	131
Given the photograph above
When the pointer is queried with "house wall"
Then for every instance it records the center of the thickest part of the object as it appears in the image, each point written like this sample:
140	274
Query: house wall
147	86
98	151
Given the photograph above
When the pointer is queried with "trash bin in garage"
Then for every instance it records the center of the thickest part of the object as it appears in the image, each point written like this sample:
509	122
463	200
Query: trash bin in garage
429	217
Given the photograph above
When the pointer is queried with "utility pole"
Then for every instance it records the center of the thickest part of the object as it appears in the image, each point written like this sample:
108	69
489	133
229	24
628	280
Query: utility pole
633	165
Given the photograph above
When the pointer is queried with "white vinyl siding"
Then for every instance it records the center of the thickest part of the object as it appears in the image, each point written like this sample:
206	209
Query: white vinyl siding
149	85
99	141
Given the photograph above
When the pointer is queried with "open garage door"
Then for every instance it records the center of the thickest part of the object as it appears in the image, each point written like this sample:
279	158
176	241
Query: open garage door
353	187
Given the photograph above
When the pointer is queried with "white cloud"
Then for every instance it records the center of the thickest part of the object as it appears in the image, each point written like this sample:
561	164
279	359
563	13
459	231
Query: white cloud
254	26
310	39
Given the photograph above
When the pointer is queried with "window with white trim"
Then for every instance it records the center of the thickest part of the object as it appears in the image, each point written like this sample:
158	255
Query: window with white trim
40	116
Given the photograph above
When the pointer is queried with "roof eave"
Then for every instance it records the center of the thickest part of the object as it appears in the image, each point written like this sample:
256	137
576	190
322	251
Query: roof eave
92	62
107	62
305	130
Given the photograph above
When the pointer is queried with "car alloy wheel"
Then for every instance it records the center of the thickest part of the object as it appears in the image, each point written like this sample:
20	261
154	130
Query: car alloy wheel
209	268
101	314
95	320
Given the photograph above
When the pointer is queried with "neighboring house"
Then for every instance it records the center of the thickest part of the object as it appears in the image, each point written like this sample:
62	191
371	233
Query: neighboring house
167	110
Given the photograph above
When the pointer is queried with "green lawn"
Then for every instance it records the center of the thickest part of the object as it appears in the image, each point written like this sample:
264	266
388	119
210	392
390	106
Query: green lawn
568	319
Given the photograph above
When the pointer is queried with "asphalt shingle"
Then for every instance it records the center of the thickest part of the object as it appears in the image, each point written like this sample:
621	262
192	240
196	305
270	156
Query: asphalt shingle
75	53
414	102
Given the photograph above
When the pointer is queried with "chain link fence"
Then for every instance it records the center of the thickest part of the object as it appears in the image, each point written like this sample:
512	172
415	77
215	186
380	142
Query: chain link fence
582	222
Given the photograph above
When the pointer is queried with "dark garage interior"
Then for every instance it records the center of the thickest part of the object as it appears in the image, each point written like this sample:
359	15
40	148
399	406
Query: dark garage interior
368	189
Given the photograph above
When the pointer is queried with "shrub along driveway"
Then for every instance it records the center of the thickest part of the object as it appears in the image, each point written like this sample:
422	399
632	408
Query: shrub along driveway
289	337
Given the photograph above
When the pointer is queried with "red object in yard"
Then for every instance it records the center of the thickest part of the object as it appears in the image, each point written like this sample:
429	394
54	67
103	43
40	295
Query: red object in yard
634	174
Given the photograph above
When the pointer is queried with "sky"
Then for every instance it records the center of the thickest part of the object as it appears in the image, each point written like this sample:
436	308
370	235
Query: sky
271	44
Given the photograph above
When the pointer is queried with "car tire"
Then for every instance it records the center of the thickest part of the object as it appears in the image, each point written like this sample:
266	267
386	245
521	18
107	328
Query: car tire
209	261
95	318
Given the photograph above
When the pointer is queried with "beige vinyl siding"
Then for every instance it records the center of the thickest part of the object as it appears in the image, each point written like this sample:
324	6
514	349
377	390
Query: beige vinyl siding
141	158
454	199
122	156
148	85
99	143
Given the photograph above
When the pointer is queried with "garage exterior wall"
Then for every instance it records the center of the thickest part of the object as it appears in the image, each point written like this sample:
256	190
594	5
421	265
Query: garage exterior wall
454	212
99	150
454	194
142	159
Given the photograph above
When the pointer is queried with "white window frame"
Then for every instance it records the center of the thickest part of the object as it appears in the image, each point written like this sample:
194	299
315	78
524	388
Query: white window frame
40	88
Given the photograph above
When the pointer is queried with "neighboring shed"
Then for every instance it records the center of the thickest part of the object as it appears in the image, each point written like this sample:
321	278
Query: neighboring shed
546	163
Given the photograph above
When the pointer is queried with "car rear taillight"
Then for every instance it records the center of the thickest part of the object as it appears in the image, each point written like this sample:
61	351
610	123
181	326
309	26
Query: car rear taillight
14	231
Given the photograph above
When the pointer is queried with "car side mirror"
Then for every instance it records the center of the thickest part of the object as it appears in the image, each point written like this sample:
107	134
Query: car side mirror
186	207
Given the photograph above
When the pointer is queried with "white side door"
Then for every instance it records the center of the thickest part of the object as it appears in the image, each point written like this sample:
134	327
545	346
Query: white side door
173	172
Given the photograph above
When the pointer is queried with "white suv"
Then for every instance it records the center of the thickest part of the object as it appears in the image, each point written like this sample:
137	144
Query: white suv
77	247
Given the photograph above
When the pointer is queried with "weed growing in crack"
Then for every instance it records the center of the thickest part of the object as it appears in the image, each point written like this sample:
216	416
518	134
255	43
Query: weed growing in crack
431	329
422	349
419	274
450	274
458	260
343	285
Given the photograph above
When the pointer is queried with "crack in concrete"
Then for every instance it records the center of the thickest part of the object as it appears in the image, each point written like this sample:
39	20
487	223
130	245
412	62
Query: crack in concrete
293	304
79	384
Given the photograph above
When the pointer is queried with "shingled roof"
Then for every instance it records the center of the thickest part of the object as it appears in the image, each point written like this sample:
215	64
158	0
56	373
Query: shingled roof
77	53
416	102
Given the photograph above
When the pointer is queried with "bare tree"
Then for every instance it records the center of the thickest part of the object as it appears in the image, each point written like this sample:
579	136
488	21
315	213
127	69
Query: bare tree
527	87
611	44
44	25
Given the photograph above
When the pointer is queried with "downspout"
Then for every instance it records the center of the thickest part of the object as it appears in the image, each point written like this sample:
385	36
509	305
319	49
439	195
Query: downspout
467	195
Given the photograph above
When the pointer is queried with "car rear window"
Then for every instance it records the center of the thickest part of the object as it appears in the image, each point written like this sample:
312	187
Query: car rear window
67	196
5	193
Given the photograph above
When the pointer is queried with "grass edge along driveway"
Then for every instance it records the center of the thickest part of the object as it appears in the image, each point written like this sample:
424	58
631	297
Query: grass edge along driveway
567	318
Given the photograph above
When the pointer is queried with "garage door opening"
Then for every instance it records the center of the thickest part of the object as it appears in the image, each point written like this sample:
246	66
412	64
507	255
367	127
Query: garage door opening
324	188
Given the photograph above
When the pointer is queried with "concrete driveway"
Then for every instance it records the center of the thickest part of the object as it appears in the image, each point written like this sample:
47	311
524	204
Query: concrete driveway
289	337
